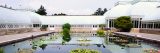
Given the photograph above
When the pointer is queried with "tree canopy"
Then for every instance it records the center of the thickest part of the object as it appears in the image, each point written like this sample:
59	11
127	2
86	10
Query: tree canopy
67	25
41	11
99	11
60	14
66	32
123	23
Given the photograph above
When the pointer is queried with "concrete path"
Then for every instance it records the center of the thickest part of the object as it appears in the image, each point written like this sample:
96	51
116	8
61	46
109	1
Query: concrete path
6	39
153	37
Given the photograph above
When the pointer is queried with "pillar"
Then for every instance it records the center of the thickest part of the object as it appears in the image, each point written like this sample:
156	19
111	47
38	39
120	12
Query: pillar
139	23
153	25
108	23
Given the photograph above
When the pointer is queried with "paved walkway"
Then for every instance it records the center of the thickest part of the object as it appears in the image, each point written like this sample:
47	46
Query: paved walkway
6	39
153	37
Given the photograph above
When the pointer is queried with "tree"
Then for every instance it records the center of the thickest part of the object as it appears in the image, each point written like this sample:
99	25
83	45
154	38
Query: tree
123	23
55	14
60	14
66	35
104	10
66	32
41	11
67	25
99	11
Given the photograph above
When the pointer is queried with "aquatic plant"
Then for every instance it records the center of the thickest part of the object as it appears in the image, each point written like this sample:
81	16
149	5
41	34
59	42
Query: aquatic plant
151	51
43	46
84	51
1	50
25	51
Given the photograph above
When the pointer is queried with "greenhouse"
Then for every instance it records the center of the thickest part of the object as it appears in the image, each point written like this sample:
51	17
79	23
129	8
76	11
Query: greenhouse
144	14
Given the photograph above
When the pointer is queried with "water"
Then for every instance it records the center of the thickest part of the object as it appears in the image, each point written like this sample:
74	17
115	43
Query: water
54	45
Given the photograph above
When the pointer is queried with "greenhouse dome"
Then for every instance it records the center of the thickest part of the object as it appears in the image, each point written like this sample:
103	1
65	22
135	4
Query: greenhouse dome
119	10
13	17
149	10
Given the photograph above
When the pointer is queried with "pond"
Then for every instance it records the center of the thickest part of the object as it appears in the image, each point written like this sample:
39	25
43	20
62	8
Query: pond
53	44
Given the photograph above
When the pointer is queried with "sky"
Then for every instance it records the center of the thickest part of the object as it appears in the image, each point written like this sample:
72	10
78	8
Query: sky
70	7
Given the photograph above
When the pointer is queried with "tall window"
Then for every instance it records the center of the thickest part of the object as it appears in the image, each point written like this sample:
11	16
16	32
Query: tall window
51	25
36	25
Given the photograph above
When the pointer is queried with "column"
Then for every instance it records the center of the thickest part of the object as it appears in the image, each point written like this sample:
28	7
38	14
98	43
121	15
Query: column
113	23
133	24
146	25
139	23
108	23
153	25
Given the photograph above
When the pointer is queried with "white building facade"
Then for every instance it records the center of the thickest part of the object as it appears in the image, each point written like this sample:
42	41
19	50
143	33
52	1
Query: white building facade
144	14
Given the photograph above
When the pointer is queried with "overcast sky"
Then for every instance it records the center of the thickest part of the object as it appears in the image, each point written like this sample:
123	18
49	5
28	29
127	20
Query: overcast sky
71	7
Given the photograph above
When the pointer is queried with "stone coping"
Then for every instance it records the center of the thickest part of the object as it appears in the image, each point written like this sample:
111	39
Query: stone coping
9	39
152	37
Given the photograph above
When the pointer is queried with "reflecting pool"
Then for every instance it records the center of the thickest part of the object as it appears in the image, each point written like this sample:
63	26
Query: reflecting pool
53	44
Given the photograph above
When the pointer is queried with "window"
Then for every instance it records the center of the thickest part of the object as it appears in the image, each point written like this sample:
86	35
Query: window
1	26
10	26
95	26
51	25
36	25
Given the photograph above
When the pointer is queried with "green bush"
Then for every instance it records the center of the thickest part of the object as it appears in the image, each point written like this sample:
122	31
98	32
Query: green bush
66	35
123	23
84	51
66	32
67	25
101	33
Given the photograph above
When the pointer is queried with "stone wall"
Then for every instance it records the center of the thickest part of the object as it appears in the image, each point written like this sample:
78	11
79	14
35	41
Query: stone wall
14	31
145	30
150	31
134	30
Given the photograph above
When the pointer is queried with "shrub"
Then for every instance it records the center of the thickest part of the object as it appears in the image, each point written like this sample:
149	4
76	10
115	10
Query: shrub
123	23
67	25
66	32
101	33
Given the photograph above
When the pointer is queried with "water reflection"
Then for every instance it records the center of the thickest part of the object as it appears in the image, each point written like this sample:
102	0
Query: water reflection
43	46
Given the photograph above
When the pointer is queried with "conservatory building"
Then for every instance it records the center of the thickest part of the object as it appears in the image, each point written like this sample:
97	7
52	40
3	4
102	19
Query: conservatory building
79	24
14	21
144	13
